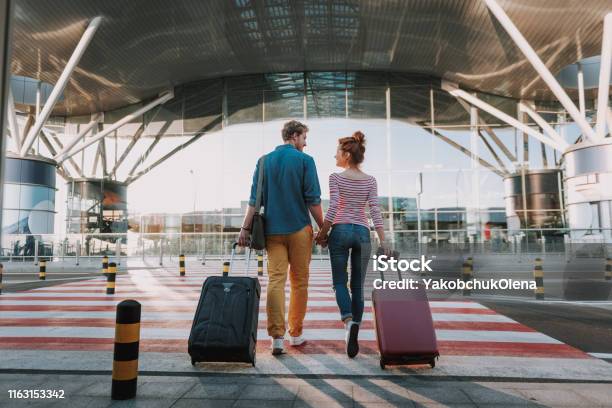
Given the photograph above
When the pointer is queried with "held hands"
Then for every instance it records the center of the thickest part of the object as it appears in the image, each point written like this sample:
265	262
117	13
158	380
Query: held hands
321	239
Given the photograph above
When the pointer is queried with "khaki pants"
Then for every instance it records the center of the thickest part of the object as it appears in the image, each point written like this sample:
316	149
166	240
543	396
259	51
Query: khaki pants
291	251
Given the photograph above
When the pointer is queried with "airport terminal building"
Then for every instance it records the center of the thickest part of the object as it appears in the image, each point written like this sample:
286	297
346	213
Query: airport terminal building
486	121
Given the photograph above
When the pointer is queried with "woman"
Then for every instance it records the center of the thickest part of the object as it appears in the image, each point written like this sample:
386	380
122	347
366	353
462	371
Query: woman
350	191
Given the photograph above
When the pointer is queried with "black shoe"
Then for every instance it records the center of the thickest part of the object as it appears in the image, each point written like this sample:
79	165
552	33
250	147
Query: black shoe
352	345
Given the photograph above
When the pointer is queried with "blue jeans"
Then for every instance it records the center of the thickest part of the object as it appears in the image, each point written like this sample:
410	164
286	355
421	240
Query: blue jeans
349	241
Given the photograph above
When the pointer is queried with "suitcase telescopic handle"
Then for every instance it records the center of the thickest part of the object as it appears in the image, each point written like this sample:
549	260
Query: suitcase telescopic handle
247	254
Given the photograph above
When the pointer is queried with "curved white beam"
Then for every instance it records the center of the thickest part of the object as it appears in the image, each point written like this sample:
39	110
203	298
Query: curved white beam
604	77
541	68
453	90
61	83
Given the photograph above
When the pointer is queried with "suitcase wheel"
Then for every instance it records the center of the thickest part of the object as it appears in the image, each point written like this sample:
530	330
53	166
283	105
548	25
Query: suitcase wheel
432	362
382	364
193	362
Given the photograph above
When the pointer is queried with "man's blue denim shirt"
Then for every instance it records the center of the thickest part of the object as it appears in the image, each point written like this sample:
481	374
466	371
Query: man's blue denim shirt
291	185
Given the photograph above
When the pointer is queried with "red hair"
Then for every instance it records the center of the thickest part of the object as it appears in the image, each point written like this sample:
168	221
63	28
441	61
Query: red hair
355	146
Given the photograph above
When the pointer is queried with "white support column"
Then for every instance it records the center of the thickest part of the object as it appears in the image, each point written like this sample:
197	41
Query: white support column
453	90
61	83
541	68
604	77
523	107
581	100
163	98
12	120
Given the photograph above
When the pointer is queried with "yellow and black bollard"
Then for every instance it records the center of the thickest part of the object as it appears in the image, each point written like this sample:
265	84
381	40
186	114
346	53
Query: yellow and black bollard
182	265
105	265
111	278
538	276
259	264
1	272
226	266
470	261
125	357
42	273
608	268
466	275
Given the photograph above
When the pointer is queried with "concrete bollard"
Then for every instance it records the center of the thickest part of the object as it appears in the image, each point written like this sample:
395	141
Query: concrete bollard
42	270
608	268
260	264
182	265
111	278
125	356
1	272
105	265
226	267
538	276
466	275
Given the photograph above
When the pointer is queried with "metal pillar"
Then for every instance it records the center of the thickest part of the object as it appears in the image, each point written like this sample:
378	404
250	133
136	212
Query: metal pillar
163	98
541	68
6	14
118	251
61	83
604	77
455	91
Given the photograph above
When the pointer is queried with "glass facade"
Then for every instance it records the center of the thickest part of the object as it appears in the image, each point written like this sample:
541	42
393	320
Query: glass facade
28	203
440	172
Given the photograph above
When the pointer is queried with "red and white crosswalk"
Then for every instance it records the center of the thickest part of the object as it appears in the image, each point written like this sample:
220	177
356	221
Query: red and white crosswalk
79	316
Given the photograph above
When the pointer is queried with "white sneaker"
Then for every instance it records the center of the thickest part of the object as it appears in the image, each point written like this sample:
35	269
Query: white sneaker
352	344
278	346
297	341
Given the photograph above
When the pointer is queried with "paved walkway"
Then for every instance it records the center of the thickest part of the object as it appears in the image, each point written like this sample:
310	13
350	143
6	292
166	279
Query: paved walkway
92	391
69	328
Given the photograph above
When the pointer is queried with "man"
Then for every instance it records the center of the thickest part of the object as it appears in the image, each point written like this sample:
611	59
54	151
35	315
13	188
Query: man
290	191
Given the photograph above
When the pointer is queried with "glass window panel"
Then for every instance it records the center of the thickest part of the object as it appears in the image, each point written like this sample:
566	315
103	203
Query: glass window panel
446	189
447	110
411	147
37	172
367	103
445	155
10	222
411	104
203	102
11	196
35	197
24	227
326	103
283	105
244	107
12	170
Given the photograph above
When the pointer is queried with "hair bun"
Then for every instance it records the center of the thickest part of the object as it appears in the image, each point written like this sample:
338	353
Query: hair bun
359	137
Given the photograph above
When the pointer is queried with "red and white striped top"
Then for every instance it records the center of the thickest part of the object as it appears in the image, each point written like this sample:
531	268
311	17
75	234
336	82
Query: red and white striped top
348	198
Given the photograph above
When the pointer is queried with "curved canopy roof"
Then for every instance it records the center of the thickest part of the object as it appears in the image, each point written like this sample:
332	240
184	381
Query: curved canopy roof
145	46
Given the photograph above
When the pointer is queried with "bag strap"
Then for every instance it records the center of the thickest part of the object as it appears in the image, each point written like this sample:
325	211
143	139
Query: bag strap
260	180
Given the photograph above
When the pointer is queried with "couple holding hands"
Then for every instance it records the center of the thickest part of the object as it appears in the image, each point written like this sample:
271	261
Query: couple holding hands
290	194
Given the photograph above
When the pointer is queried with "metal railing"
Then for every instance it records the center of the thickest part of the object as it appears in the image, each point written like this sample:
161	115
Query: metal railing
217	245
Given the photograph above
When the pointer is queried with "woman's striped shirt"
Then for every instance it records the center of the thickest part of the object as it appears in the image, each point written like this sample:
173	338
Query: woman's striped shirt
348	199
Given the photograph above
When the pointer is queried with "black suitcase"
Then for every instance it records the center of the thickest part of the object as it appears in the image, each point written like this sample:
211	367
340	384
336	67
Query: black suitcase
224	327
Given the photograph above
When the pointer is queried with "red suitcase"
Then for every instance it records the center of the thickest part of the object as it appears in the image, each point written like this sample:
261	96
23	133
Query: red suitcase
404	327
